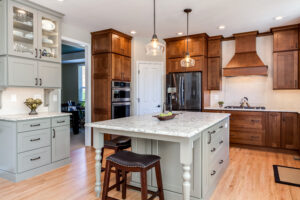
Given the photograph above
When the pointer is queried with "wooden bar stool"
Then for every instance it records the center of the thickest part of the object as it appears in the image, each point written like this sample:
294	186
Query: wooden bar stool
117	144
126	162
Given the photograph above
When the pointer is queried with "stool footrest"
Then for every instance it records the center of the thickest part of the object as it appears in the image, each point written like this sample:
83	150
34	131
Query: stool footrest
153	194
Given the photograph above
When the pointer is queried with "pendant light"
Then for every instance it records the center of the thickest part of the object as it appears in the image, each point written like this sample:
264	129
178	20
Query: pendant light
155	48
187	61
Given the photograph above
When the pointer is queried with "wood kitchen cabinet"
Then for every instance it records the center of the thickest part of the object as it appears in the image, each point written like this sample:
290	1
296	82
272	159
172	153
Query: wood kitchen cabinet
111	41
198	45
121	68
175	49
289	131
286	70
273	131
214	73
173	65
286	38
200	64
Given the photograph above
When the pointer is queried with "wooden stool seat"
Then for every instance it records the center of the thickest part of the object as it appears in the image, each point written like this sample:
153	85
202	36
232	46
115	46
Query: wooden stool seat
126	162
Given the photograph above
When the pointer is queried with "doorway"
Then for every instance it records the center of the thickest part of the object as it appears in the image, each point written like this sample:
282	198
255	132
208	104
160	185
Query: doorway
74	90
149	87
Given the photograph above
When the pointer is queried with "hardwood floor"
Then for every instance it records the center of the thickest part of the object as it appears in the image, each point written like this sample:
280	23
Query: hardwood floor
249	176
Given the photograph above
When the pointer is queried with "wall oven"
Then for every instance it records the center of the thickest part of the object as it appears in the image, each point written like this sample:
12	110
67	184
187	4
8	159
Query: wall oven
120	102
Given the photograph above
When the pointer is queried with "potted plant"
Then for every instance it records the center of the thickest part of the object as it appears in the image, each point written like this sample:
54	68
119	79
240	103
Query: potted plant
221	103
33	104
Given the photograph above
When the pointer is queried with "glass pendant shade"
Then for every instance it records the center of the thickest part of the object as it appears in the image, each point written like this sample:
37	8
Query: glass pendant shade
155	48
187	61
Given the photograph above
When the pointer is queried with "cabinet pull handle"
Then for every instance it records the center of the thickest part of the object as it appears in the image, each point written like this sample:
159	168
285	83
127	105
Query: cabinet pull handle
36	81
34	140
213	173
59	122
37	158
40	53
34	125
211	132
221	142
54	134
254	121
221	162
254	137
36	52
213	149
41	83
221	127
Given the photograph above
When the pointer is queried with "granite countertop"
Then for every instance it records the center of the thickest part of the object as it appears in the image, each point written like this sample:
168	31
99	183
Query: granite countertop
268	109
22	117
186	124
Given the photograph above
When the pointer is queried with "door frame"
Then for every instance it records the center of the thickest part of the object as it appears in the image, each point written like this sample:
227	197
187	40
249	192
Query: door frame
136	83
88	108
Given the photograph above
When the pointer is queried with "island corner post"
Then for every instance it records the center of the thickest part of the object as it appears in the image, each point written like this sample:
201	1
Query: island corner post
98	145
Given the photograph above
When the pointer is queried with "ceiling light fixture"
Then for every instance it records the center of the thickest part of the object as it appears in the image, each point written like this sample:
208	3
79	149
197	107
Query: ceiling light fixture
180	33
187	61
60	0
221	27
278	18
155	48
133	32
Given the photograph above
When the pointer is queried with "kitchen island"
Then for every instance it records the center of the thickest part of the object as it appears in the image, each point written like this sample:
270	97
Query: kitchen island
194	148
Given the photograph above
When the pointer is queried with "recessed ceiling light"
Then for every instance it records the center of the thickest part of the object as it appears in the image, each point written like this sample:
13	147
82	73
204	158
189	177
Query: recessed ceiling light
221	27
180	33
60	0
278	18
133	32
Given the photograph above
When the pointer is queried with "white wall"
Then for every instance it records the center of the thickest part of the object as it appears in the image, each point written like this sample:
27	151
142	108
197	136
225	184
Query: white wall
139	54
76	33
259	89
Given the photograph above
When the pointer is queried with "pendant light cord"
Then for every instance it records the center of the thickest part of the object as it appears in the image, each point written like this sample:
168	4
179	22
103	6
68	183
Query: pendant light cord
187	33
154	16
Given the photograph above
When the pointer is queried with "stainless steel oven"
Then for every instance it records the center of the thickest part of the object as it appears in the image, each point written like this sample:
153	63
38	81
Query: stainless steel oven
120	102
120	91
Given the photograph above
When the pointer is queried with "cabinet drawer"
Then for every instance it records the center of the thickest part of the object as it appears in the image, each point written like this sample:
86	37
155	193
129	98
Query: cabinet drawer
60	121
242	137
214	134
32	125
33	140
247	120
33	159
216	167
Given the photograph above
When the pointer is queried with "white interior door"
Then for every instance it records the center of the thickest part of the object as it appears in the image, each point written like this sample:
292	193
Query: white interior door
149	87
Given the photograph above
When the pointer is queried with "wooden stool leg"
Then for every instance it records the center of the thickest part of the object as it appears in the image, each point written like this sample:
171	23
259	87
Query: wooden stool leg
117	175
106	180
102	153
124	175
159	181
144	188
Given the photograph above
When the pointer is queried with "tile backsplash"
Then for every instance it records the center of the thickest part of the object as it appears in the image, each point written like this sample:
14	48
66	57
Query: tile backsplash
13	100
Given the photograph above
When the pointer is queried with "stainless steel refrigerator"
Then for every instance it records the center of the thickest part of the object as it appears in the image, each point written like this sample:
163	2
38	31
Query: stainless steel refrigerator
184	91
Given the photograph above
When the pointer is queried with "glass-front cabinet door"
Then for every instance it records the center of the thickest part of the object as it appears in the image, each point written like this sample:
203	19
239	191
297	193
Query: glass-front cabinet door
49	44
22	31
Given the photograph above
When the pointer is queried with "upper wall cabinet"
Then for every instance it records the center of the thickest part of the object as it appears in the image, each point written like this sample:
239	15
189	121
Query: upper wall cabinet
286	38
214	66
111	41
175	49
32	33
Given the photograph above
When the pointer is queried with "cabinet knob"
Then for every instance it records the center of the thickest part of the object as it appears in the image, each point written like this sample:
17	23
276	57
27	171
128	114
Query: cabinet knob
213	149
36	81
221	142
41	83
221	162
213	172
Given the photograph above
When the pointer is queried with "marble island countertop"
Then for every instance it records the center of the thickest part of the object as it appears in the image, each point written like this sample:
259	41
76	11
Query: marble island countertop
186	124
268	109
22	117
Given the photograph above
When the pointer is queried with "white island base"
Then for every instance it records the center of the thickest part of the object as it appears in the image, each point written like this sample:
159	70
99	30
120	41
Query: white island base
194	148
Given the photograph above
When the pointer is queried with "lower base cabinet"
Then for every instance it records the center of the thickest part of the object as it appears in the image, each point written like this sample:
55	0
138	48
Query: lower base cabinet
32	147
289	131
210	160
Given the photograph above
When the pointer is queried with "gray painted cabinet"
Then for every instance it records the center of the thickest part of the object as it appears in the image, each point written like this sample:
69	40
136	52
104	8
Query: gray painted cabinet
32	147
210	160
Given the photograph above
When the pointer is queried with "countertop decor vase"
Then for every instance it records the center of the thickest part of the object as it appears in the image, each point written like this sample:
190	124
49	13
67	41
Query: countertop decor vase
221	103
33	104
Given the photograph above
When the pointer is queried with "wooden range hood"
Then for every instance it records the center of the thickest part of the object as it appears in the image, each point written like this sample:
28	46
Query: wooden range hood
245	60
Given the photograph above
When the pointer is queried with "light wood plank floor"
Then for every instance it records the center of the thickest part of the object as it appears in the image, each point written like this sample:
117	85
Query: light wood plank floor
249	176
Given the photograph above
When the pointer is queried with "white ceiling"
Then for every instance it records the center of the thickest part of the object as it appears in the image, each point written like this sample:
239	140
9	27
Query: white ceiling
126	15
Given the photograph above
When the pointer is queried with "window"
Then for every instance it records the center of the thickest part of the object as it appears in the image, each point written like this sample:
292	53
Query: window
81	83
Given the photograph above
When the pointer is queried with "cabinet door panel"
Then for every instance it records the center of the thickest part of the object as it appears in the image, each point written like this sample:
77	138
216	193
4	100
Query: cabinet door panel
22	30
125	47
101	43
60	143
214	48
116	67
176	49
286	40
49	42
214	73
49	74
116	43
289	131
173	65
198	46
286	70
273	129
126	68
200	63
22	72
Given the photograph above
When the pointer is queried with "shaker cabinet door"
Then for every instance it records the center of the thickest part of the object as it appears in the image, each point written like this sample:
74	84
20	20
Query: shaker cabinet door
22	72
49	75
60	143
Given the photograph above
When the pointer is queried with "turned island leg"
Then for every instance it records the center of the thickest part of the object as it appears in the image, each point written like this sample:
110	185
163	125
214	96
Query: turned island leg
186	159
98	144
